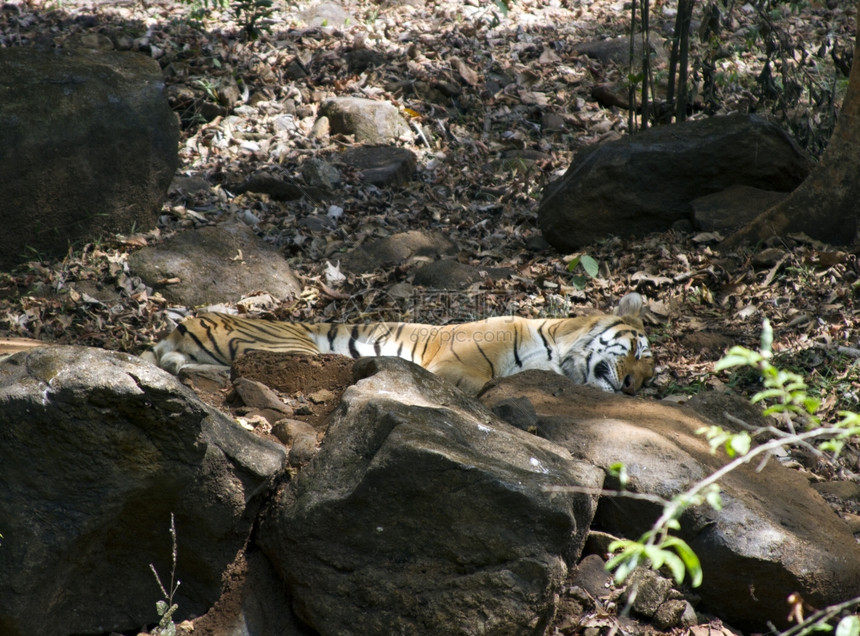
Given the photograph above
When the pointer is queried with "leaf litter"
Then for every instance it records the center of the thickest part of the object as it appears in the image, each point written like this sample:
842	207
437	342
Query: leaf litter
499	104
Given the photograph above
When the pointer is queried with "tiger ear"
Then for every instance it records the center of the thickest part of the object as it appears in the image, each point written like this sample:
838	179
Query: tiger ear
630	305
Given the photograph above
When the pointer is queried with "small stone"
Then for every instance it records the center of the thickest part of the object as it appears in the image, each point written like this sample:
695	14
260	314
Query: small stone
321	397
674	613
537	243
446	274
320	174
258	395
592	576
648	591
205	379
552	122
381	165
289	430
321	128
303	449
317	223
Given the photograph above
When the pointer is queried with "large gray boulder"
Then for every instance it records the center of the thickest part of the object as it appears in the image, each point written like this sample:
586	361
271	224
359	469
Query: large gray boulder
423	513
97	449
774	536
88	146
645	182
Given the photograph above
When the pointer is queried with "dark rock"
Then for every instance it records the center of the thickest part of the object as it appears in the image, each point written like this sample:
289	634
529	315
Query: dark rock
381	165
97	449
591	575
302	450
398	249
732	208
295	70
318	223
615	50
536	243
320	174
359	60
370	121
422	513
214	264
279	189
646	182
189	186
89	146
774	536
517	412
446	274
674	613
552	122
646	591
229	93
611	94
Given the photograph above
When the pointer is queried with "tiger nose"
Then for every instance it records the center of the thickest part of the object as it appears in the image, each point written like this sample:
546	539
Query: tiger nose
628	386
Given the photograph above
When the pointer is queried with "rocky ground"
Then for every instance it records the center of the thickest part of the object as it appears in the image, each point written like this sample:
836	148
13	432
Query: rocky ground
498	101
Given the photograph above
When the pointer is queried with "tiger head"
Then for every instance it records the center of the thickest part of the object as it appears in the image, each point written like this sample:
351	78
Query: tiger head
613	354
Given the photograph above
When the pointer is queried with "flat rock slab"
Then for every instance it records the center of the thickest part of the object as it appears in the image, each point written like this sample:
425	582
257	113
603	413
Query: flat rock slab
399	249
646	182
774	536
448	273
214	264
89	146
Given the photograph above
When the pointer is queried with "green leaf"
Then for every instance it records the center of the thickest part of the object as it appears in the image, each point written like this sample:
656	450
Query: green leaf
625	561
831	445
766	337
739	444
590	265
161	607
676	567
578	282
811	404
732	360
689	558
714	499
619	471
656	555
766	395
573	264
848	626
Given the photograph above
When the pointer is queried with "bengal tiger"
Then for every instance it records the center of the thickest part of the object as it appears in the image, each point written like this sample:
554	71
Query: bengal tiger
610	352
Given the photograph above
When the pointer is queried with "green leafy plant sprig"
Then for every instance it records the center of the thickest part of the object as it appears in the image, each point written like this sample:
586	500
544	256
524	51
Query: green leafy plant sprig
588	264
784	394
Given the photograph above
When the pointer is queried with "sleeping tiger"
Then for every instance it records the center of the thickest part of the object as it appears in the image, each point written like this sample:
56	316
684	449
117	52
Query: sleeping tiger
610	352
